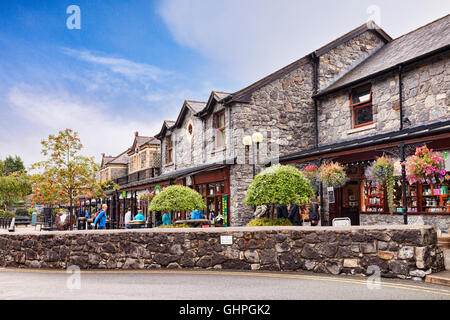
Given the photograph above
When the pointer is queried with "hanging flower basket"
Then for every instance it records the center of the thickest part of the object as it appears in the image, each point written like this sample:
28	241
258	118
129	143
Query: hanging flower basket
382	172
425	166
147	195
332	174
312	173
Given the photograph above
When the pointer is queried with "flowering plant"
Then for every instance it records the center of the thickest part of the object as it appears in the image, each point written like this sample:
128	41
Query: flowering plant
332	174
147	195
312	173
382	172
424	166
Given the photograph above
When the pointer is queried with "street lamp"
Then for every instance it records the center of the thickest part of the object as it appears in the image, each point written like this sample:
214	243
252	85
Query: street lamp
247	141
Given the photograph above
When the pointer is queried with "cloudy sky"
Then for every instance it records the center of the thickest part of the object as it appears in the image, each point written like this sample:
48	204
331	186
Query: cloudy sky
134	62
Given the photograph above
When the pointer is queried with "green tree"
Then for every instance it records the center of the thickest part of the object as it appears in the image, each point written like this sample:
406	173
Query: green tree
65	175
11	165
13	188
281	185
177	198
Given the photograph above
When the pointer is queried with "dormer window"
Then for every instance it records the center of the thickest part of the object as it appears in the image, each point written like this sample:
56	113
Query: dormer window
361	104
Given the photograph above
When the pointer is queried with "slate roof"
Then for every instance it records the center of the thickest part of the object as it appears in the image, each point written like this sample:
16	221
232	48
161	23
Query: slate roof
120	159
420	42
244	95
196	106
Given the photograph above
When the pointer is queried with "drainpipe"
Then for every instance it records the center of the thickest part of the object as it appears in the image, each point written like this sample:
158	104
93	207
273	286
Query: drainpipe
400	95
315	61
404	202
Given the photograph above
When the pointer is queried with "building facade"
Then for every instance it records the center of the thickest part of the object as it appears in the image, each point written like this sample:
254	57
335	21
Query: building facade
356	98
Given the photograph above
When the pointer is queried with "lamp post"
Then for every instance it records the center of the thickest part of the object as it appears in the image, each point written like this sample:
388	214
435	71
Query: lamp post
255	138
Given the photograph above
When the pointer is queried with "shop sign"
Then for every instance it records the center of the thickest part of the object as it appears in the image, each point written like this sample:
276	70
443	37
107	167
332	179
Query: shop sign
447	160
330	191
124	194
227	240
157	189
225	210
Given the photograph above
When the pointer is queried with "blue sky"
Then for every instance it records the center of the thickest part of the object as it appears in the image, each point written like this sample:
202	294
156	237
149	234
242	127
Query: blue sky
132	63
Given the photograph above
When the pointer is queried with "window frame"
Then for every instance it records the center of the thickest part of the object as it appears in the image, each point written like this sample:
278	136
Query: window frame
216	122
169	154
360	105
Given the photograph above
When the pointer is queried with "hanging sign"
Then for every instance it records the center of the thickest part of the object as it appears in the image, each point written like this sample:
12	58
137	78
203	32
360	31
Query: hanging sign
225	210
330	191
157	189
124	194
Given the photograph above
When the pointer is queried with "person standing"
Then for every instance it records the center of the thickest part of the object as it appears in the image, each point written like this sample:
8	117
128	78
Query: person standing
282	211
127	219
101	218
294	215
314	215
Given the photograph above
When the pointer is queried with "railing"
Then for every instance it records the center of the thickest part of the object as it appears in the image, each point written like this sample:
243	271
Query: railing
138	176
5	223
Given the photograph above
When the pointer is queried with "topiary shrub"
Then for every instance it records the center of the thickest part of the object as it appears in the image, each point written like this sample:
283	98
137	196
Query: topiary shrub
177	198
266	222
279	184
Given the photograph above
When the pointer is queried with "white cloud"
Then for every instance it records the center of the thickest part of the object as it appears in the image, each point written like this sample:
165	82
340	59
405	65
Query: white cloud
127	68
250	39
41	113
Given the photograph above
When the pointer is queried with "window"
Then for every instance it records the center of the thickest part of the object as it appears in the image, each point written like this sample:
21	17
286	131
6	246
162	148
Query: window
169	149
219	125
143	159
361	104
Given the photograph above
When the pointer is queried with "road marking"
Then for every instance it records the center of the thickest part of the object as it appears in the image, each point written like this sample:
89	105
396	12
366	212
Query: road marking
240	273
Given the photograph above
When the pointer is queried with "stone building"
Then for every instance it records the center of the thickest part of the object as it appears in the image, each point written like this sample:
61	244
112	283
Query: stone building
389	102
113	167
341	102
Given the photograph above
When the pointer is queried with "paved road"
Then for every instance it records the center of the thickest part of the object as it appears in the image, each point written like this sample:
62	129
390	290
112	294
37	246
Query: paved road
201	285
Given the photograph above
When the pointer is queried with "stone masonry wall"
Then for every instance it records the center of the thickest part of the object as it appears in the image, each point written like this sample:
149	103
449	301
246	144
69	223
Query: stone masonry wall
441	222
425	100
344	57
399	251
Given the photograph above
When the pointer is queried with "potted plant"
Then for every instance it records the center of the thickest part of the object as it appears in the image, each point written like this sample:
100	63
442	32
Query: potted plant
425	166
382	172
332	174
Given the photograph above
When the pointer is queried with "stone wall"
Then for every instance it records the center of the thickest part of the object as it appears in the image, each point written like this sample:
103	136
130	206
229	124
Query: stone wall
425	100
399	251
437	221
346	56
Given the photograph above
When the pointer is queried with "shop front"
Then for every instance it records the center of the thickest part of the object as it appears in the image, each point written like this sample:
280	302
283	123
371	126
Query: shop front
367	203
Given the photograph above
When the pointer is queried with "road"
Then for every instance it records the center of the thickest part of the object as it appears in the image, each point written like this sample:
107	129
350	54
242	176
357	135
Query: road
201	285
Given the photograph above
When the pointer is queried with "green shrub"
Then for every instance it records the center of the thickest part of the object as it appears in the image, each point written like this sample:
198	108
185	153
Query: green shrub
279	185
181	225
6	214
22	213
266	222
177	198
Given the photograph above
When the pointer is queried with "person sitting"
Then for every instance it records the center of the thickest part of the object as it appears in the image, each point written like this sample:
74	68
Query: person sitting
139	217
166	219
197	214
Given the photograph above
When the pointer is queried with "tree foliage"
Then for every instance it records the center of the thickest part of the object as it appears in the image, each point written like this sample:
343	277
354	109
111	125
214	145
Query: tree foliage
14	187
177	198
11	165
65	175
279	185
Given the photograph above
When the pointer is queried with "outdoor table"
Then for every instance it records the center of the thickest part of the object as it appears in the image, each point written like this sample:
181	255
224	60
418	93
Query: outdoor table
194	222
136	224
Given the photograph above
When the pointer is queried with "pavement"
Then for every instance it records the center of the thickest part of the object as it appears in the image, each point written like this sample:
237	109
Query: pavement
208	285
